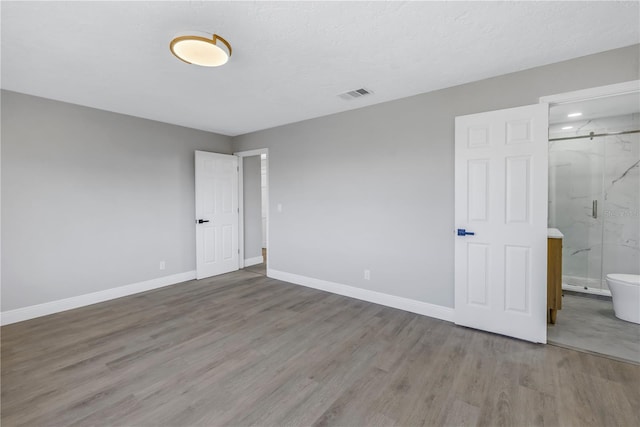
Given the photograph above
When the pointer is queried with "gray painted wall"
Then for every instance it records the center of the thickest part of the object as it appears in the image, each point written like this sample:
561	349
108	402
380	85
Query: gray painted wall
373	188
92	200
252	207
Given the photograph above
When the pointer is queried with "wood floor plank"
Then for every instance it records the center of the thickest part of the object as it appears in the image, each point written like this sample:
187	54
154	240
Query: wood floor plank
243	349
460	413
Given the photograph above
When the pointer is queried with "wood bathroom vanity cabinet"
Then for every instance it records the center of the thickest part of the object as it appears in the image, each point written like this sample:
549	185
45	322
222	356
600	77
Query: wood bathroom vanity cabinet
554	273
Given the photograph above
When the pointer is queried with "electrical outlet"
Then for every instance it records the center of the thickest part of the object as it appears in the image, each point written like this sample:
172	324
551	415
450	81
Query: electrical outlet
367	275
162	265
279	207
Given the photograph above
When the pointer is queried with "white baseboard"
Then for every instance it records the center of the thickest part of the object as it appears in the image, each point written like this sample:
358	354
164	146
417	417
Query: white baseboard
593	291
253	261
406	304
33	311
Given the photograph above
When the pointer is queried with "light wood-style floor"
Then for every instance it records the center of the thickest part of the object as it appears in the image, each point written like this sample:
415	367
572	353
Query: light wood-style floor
243	349
259	268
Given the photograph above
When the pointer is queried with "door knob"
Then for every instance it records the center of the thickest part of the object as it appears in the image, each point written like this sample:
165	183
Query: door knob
200	221
463	232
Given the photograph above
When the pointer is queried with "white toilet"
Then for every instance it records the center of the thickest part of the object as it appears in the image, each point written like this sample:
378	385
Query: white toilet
625	291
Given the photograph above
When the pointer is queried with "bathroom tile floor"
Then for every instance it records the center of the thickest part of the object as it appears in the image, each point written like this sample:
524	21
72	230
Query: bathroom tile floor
589	324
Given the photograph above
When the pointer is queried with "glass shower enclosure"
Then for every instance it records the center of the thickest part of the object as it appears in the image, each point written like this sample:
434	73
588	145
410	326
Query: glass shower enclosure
594	188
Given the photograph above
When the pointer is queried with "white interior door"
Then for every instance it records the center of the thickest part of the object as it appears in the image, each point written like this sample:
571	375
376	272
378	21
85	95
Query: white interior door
216	214
501	161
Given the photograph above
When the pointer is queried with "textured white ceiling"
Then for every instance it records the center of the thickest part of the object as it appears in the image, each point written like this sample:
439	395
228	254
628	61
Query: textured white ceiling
290	59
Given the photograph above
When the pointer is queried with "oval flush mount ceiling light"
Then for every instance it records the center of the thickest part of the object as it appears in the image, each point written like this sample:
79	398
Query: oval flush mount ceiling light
207	51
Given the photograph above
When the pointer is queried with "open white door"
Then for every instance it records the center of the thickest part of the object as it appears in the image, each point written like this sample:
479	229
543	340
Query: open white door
216	214
501	162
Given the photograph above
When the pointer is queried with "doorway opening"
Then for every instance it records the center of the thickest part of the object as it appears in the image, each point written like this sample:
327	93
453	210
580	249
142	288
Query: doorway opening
254	210
594	208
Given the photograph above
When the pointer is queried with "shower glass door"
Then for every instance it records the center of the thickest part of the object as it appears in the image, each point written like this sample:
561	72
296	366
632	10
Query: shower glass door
575	206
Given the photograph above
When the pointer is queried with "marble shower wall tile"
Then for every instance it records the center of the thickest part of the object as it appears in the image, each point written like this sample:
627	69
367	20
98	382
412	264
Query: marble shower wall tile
621	205
605	169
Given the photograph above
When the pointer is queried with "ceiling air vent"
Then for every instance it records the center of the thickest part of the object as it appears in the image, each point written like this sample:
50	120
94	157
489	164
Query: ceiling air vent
357	93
